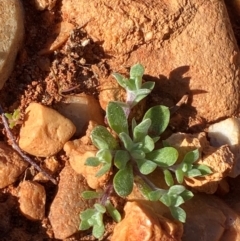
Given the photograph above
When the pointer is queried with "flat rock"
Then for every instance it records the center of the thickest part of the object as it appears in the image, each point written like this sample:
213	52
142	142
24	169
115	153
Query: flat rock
11	165
68	203
32	199
44	131
11	36
183	49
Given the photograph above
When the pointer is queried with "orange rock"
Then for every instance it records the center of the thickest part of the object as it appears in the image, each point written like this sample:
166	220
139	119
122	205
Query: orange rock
11	165
32	199
182	48
44	131
141	222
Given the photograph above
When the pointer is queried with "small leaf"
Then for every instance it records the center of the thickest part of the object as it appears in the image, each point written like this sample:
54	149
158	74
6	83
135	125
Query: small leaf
178	201
104	169
116	118
121	158
141	130
148	85
104	156
176	190
145	166
136	70
166	200
168	177
186	195
205	170
123	181
178	213
120	79
103	139
193	173
97	218
179	175
155	195
87	214
134	124
84	225
92	161
160	116
186	167
137	154
164	157
127	141
148	144
100	208
113	212
91	194
139	95
191	157
98	231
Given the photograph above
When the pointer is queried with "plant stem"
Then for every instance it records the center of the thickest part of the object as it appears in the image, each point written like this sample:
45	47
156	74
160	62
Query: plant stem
16	147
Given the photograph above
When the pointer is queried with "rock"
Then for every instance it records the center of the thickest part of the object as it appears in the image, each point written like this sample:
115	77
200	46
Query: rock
11	36
183	49
44	131
11	165
45	4
78	151
141	222
80	109
209	218
220	160
68	203
227	132
32	199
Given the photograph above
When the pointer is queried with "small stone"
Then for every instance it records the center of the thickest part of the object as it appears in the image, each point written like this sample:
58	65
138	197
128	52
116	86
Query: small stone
11	36
45	4
80	109
44	131
11	165
227	132
68	203
141	222
32	199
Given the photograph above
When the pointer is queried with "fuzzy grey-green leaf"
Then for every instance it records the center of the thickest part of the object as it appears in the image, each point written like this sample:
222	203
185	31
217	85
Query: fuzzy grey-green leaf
116	118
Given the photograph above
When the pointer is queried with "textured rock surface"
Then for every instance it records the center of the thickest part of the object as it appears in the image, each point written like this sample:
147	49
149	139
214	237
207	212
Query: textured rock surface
184	49
44	131
11	165
68	203
11	36
142	223
32	199
209	218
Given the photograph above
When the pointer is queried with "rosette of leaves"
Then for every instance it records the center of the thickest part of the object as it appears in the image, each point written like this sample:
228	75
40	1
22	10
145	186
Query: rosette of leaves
133	154
13	118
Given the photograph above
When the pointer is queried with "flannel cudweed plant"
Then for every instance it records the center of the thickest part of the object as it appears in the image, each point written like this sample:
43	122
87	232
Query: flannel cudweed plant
133	156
